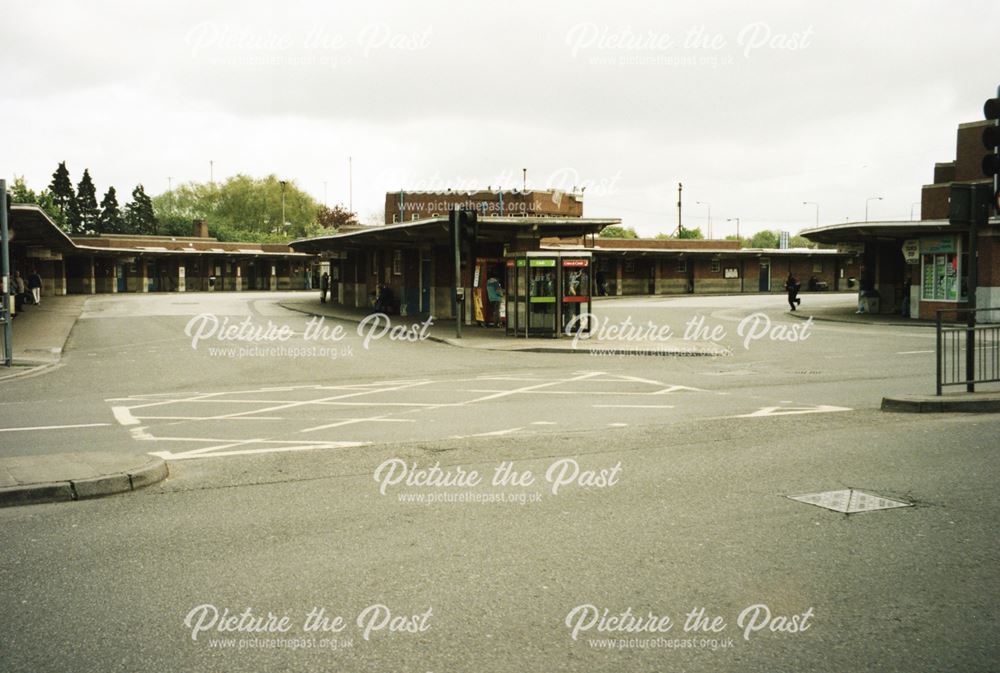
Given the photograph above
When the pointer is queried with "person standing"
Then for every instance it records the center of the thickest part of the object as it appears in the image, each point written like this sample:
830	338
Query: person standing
324	286
792	287
905	303
35	286
494	293
20	290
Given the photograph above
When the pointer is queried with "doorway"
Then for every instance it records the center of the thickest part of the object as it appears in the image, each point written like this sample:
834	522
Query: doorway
765	277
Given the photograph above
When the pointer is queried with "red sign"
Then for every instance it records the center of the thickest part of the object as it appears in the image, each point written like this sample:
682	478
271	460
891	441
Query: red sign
576	262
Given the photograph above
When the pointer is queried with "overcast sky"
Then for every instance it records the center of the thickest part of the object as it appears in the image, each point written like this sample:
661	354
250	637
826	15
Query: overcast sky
754	106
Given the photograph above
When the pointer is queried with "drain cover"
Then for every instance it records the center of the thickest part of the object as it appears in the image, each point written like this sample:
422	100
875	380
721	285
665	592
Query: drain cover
849	501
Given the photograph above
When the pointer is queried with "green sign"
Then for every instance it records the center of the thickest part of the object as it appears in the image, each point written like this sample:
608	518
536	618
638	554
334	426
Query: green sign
542	262
937	244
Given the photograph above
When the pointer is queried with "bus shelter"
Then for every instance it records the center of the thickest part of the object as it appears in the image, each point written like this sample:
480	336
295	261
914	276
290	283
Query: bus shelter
547	292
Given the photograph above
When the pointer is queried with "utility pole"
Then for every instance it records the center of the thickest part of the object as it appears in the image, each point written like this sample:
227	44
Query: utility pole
5	299
350	185
211	171
680	226
282	206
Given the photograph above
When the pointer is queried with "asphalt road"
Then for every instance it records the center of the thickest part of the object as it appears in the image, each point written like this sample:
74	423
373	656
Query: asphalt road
659	486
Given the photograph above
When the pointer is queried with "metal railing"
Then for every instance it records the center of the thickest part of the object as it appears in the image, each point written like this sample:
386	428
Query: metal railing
967	354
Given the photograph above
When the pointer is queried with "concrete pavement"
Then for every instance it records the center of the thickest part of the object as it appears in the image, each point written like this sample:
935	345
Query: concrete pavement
476	337
40	333
29	480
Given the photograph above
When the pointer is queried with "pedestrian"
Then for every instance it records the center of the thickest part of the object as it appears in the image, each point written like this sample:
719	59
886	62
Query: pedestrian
20	291
494	293
324	286
602	287
792	287
905	308
35	285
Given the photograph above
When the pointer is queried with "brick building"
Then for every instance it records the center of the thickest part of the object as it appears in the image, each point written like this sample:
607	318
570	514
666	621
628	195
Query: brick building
930	256
405	206
131	263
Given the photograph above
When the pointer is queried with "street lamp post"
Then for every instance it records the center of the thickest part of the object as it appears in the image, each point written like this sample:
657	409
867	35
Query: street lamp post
813	203
912	206
869	200
709	226
730	219
283	183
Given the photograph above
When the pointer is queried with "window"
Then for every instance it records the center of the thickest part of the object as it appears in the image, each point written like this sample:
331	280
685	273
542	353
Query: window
940	277
716	266
397	262
682	266
375	264
395	218
415	216
817	267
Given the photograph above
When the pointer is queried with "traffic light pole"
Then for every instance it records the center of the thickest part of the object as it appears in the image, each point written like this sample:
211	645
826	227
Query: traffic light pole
456	241
8	331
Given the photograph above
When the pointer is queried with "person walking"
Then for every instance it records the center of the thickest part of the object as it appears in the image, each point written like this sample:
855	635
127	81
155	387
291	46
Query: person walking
35	286
792	287
324	286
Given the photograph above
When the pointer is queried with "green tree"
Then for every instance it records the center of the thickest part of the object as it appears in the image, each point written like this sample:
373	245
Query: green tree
242	209
800	242
21	193
691	233
110	220
140	218
764	239
618	232
62	188
86	204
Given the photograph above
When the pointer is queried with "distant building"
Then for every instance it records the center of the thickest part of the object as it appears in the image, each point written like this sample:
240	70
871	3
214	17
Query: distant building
112	263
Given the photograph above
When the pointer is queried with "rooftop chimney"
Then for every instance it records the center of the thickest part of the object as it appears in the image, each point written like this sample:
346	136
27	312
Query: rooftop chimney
200	229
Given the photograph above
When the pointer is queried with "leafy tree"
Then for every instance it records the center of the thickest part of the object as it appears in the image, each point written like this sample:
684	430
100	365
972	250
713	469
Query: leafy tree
86	205
800	242
336	217
21	193
618	232
764	239
62	188
691	233
110	220
140	217
241	209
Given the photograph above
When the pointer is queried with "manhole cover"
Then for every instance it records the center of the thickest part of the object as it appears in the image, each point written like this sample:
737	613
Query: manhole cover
849	501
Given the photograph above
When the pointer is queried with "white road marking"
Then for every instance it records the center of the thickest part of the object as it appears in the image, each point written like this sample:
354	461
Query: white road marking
124	416
633	406
495	433
54	427
913	352
516	391
187	455
351	421
617	425
544	423
791	411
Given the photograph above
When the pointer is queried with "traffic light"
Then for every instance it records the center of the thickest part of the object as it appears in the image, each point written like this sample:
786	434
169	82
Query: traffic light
470	223
991	137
